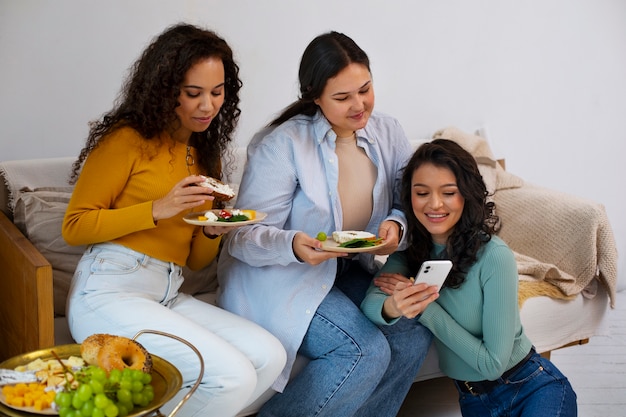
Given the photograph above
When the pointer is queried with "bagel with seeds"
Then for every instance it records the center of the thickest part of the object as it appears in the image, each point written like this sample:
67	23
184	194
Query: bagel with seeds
115	352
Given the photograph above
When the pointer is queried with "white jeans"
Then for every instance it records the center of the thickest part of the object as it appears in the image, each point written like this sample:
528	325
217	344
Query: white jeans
119	291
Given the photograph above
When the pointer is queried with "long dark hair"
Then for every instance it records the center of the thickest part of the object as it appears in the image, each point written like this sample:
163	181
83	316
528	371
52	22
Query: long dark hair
322	59
477	223
149	96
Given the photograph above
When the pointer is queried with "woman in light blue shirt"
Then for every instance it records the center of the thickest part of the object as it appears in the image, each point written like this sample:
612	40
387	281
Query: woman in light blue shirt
327	163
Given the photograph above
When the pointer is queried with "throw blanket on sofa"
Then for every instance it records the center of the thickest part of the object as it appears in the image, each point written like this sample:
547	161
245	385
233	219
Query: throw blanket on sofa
571	244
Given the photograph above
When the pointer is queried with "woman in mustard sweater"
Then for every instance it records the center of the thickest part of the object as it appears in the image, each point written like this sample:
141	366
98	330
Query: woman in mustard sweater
480	340
135	179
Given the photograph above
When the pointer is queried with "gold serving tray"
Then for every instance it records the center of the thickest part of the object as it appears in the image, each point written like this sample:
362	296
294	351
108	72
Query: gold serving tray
166	378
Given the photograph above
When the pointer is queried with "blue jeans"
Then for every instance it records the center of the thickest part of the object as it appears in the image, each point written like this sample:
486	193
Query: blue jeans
355	368
537	389
120	291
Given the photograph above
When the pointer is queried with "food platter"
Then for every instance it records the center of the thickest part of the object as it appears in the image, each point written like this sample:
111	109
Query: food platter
166	380
192	218
329	245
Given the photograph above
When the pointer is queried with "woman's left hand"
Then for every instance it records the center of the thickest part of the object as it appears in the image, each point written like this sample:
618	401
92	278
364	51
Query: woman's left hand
390	232
405	298
387	282
211	231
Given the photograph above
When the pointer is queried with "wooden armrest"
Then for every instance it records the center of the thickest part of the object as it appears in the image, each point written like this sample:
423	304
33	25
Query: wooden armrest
26	295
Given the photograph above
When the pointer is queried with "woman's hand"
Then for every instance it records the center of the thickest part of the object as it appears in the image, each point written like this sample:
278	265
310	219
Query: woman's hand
389	230
183	196
387	282
405	298
214	231
306	248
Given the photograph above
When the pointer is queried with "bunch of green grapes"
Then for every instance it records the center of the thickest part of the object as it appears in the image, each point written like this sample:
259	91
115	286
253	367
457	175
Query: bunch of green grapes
97	395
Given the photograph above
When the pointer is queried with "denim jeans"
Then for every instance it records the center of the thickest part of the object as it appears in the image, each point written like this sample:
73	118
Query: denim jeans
119	291
537	389
355	368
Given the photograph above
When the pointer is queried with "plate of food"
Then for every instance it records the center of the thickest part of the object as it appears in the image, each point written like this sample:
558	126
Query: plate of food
166	380
224	217
352	241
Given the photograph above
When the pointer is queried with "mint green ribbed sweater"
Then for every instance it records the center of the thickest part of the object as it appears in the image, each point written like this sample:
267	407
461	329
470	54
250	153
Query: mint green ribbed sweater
477	328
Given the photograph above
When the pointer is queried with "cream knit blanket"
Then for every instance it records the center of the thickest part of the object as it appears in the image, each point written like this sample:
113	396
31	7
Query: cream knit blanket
556	237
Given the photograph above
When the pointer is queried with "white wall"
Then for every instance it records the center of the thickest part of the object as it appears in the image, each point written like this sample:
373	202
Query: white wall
546	78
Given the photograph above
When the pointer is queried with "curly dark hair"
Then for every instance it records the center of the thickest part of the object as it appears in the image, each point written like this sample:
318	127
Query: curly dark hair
478	221
323	58
150	94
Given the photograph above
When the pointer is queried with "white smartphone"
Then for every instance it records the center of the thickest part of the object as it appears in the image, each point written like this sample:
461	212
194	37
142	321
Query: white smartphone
434	272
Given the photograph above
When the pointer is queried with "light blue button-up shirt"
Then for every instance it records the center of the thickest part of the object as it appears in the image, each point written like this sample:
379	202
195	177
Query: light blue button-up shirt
292	175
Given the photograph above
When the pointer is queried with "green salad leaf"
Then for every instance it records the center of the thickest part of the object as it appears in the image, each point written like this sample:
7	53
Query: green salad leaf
236	218
361	243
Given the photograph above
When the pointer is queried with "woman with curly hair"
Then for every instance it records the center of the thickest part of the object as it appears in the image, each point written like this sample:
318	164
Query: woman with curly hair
475	320
135	179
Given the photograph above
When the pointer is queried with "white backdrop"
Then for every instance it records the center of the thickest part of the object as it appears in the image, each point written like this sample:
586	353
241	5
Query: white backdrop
546	79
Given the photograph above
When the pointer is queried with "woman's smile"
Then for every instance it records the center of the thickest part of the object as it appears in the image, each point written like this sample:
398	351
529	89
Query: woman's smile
436	200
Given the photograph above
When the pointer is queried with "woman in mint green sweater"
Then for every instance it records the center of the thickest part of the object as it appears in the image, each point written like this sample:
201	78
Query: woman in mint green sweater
478	334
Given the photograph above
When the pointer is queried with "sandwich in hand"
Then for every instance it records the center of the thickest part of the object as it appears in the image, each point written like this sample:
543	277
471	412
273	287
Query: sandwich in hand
221	191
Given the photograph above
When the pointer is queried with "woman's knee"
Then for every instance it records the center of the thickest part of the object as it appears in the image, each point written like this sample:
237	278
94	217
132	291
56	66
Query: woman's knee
237	379
269	357
376	348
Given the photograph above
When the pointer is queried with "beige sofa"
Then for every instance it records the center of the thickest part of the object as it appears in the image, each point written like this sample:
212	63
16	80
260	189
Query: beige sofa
564	302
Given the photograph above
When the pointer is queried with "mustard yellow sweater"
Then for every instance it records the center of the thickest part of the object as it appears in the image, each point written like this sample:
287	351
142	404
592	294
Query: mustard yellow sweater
112	200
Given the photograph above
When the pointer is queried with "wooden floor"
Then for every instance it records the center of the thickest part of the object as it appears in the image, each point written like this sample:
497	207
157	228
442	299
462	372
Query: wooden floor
597	371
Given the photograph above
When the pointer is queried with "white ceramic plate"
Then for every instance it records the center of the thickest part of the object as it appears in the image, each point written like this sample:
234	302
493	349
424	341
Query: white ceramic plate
192	218
330	245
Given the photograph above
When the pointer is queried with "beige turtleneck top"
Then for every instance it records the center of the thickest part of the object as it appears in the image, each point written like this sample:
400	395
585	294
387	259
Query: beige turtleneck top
357	176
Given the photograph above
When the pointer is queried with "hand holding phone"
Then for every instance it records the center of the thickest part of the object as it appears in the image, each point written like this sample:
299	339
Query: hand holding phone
434	272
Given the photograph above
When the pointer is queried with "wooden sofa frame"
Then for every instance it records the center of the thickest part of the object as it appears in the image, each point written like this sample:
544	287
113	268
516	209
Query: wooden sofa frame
26	296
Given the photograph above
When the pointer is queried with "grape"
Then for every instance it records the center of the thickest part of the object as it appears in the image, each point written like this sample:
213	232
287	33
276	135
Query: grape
63	399
101	401
97	412
321	236
137	398
115	375
64	411
147	378
123	409
77	402
98	374
124	395
84	392
126	384
97	387
96	394
137	386
148	393
128	404
87	409
111	410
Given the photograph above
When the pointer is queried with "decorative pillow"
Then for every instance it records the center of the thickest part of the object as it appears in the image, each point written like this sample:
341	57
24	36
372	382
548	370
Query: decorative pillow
39	215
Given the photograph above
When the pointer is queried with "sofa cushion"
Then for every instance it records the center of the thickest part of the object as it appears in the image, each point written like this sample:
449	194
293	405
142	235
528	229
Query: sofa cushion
39	215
